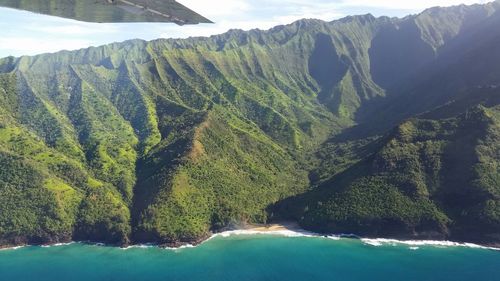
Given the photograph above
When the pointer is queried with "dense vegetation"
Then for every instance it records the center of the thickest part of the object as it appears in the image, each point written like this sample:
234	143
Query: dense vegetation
165	141
424	179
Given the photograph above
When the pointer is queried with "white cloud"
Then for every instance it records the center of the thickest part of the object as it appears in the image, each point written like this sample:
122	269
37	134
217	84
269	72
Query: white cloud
217	8
74	29
29	46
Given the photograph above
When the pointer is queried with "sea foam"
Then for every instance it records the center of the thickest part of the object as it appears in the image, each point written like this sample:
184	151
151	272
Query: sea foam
13	248
58	245
282	232
376	242
416	243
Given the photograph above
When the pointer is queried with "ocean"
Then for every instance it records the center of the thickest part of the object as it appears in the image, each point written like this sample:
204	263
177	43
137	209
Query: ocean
255	257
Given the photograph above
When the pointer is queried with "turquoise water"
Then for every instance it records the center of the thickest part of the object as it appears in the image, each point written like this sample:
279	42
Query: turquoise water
263	257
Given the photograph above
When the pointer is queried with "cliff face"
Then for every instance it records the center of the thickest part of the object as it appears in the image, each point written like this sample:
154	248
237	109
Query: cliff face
164	141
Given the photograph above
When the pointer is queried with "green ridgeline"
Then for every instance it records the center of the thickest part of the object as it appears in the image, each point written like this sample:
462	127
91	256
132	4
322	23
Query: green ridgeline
425	179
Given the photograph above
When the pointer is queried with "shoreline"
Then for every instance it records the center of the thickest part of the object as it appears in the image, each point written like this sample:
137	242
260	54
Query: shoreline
277	229
293	230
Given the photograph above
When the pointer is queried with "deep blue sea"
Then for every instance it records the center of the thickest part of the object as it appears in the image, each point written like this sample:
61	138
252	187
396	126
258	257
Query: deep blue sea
253	258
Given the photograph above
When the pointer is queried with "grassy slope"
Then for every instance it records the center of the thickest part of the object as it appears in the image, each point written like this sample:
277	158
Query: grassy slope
169	121
166	140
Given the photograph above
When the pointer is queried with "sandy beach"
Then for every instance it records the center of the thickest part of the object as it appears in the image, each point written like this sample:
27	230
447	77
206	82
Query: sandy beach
285	226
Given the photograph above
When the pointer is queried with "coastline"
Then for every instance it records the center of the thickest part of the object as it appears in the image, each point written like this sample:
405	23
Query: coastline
288	229
293	230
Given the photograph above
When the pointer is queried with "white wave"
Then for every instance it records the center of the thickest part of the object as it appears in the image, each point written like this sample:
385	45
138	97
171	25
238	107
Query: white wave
376	242
415	243
58	244
152	245
333	237
12	248
283	232
187	246
140	246
372	242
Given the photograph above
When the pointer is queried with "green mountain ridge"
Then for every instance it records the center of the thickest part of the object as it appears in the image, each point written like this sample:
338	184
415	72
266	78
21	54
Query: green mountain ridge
431	177
168	140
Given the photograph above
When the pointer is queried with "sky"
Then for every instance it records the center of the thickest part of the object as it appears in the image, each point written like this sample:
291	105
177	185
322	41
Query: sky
24	33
